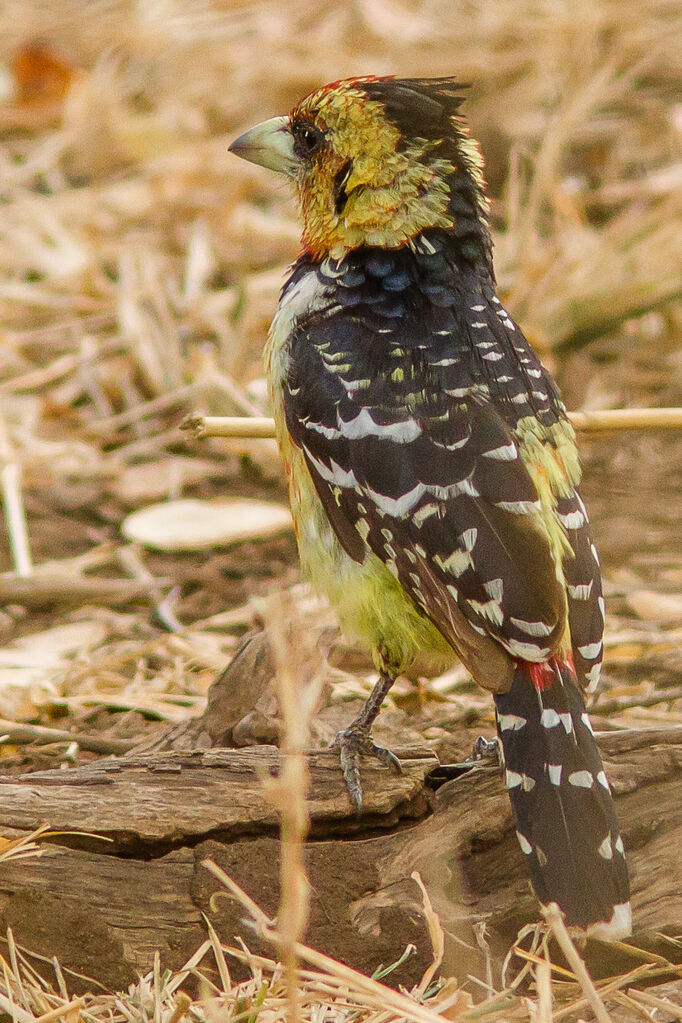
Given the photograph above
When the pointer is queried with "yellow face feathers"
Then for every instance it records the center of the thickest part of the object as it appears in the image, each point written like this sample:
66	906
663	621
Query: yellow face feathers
375	162
364	186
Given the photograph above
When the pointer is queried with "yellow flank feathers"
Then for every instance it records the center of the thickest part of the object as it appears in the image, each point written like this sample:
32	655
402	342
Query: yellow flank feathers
550	455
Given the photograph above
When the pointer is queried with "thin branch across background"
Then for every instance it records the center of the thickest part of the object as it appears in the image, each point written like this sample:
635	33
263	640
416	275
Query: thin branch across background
587	422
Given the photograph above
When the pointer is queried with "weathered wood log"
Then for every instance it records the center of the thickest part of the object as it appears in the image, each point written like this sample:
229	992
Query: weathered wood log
104	901
234	715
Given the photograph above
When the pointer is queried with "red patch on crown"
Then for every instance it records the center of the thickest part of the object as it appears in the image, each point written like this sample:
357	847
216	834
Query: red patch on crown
356	80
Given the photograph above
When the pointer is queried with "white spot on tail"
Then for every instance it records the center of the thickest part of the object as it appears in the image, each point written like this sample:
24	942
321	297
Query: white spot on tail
619	926
456	564
550	718
423	513
490	610
333	473
511	722
581	779
513	780
605	850
590	650
593	676
554	772
574	520
363	425
397	507
526	847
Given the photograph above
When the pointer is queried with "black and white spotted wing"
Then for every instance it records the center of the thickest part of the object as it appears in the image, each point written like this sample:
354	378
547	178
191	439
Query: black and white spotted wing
404	407
583	592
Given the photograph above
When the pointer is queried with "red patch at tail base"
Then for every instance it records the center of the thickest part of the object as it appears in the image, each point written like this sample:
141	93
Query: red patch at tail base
543	674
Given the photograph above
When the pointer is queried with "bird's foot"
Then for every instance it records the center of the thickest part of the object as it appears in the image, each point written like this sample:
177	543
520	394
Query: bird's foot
352	743
489	751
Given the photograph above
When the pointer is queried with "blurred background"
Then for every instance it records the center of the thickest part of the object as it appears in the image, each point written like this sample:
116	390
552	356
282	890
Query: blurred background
140	265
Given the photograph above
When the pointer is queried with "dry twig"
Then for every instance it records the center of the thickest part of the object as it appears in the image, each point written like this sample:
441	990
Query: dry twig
554	918
588	422
20	735
299	683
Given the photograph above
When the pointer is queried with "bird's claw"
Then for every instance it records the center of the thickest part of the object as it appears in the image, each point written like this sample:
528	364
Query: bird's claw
489	750
352	743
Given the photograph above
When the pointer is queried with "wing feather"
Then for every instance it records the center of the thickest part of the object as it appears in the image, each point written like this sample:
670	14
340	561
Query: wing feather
438	492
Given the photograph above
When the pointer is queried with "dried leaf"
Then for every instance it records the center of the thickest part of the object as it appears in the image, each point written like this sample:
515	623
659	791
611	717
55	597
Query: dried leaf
50	648
35	663
194	525
41	74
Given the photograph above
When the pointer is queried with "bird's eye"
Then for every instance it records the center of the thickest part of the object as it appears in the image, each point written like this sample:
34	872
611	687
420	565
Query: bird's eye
307	139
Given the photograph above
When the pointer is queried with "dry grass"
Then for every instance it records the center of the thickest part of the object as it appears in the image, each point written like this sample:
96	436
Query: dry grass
327	989
139	268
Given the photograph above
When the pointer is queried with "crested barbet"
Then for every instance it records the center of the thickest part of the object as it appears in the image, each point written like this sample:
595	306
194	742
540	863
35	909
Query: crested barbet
432	471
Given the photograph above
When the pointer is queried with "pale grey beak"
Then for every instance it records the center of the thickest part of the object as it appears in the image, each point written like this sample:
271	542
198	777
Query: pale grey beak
269	144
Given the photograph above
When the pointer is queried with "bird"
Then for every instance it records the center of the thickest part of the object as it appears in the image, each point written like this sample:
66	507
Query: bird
432	471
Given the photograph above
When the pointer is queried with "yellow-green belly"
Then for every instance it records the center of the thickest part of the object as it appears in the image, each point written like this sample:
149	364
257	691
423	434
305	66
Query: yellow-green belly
372	606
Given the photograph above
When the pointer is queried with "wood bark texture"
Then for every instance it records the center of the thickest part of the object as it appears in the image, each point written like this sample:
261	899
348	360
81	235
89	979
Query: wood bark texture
124	873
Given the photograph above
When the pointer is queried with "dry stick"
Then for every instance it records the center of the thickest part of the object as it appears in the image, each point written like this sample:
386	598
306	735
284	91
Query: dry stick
627	419
436	935
645	971
228	426
43	589
646	998
183	1004
587	422
61	1010
19	735
15	514
554	918
299	682
543	984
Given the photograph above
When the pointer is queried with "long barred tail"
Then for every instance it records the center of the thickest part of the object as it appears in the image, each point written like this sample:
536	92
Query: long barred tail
565	818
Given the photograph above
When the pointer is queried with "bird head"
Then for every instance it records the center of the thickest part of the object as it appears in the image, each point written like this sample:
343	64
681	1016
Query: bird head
375	161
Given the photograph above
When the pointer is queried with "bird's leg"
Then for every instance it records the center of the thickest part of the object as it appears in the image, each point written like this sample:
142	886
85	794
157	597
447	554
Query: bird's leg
356	741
